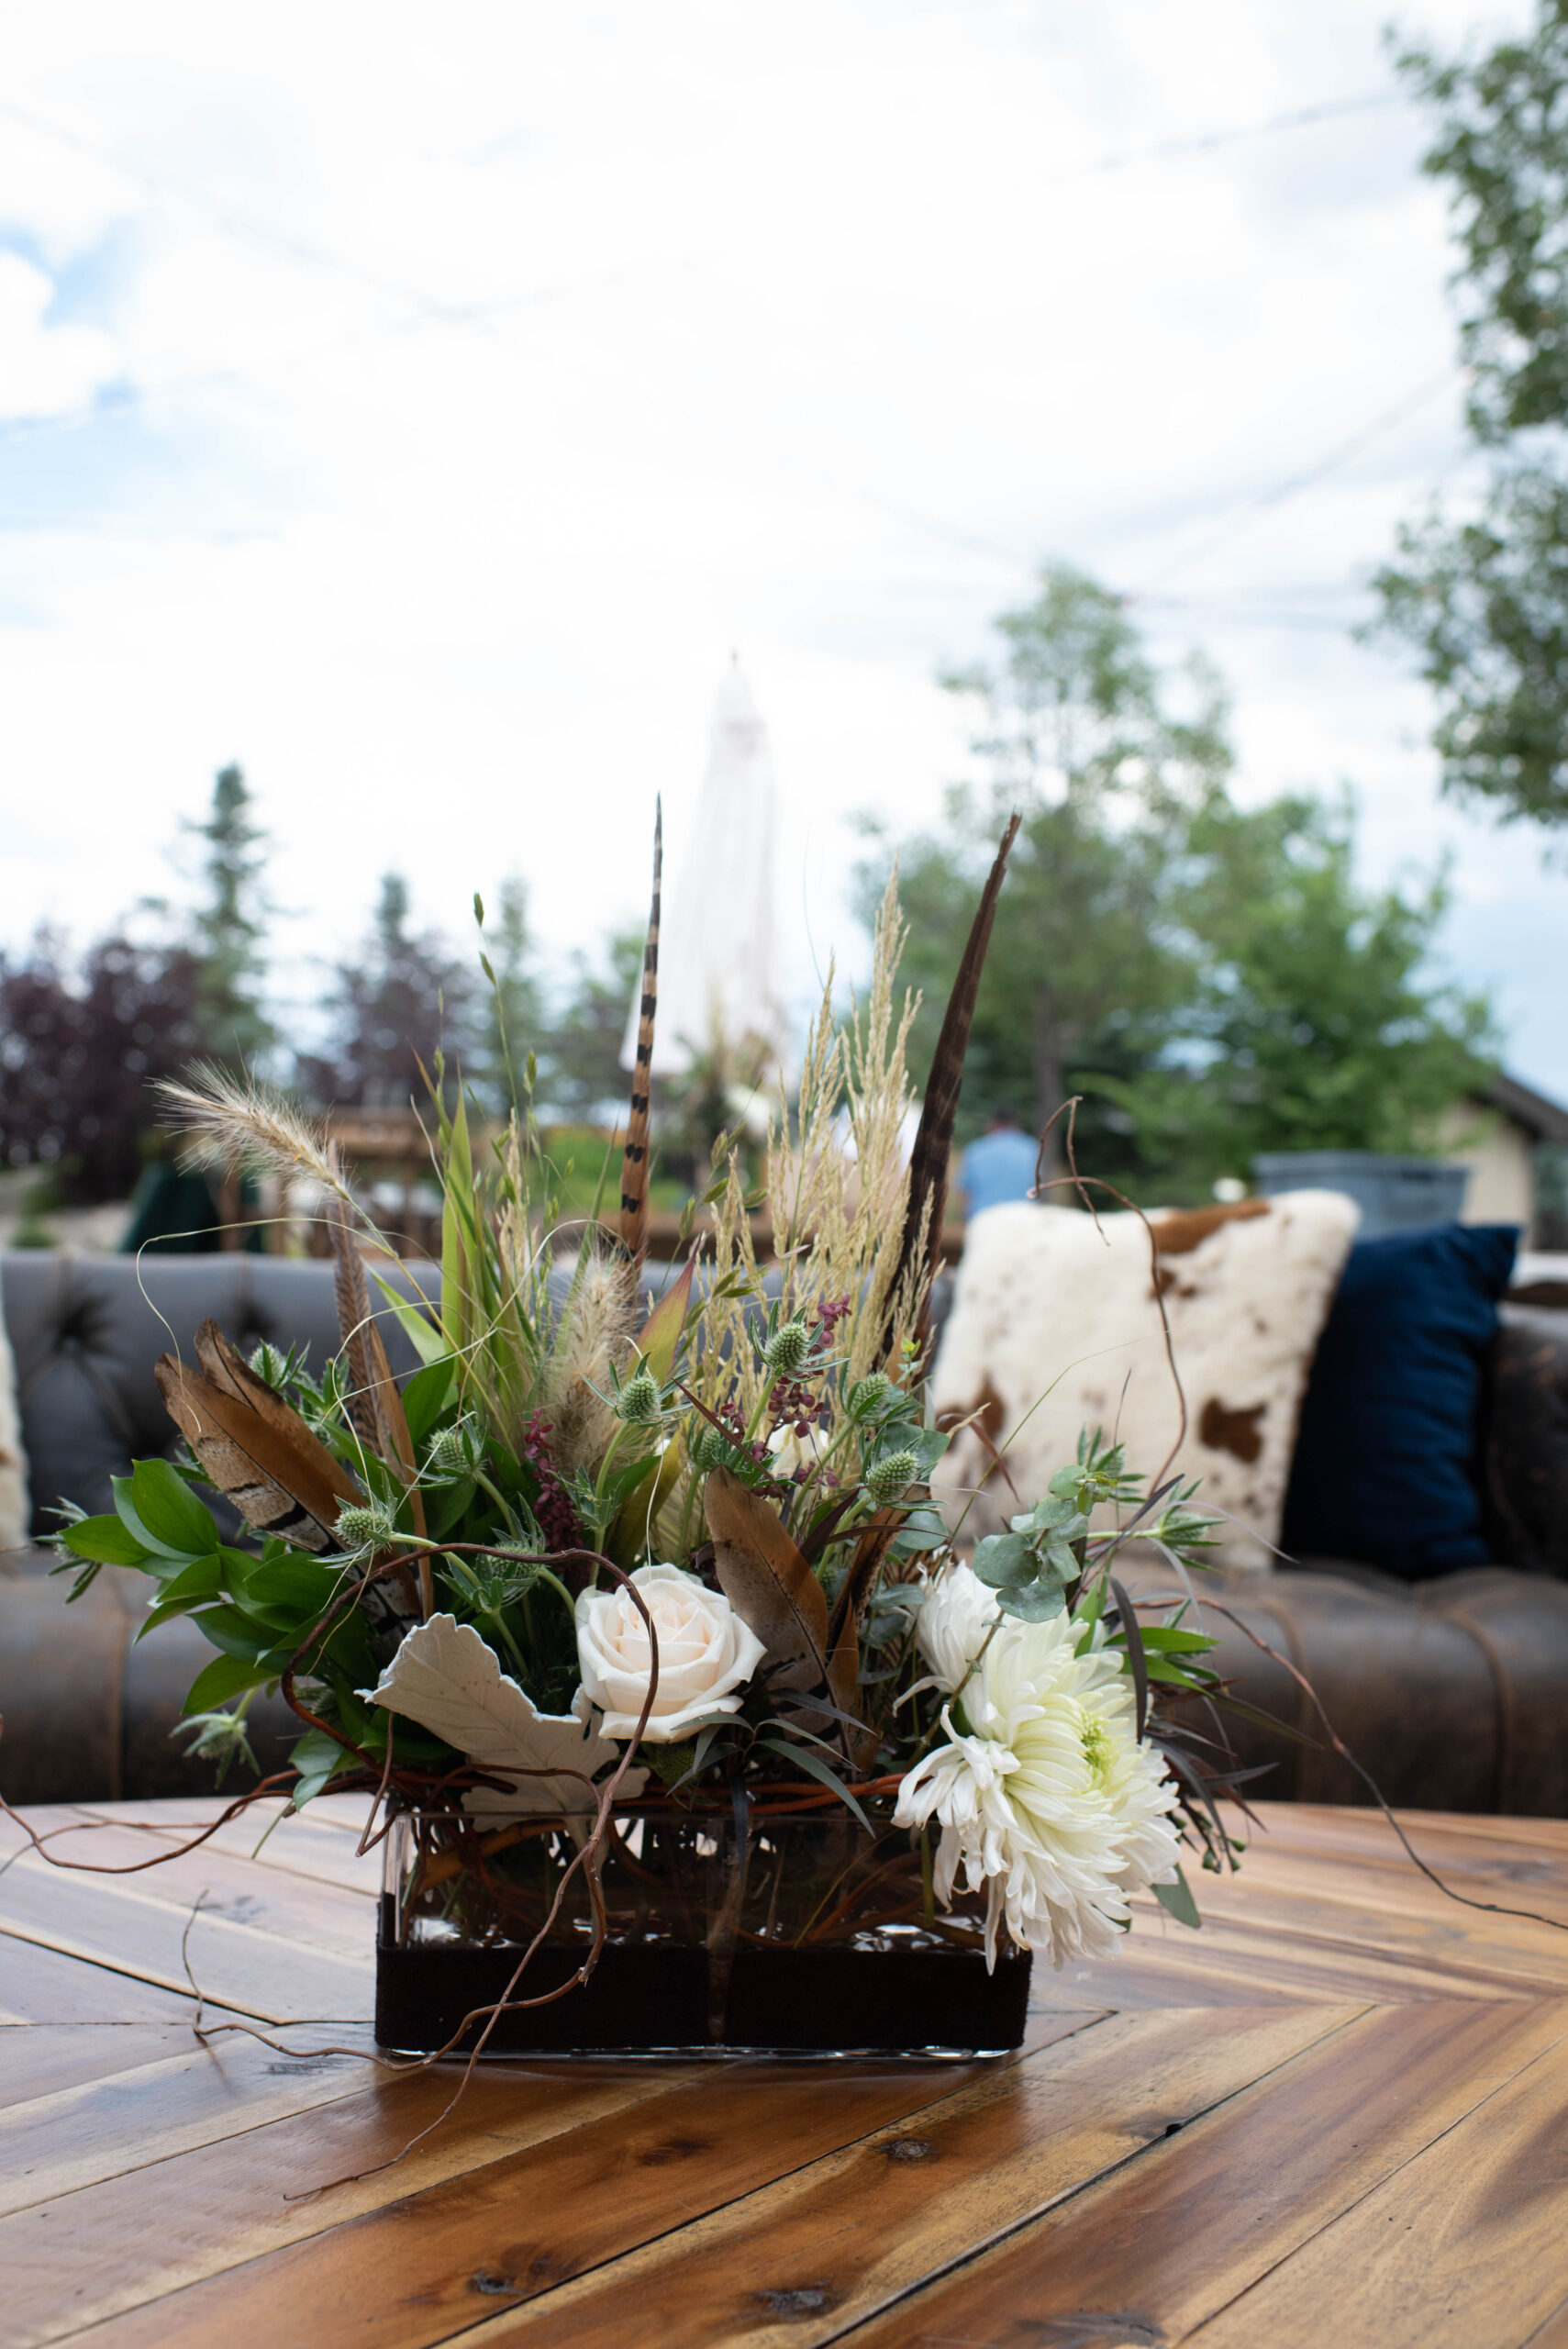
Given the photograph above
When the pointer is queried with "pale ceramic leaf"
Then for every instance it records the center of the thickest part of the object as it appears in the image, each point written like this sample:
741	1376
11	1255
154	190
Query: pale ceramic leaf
445	1677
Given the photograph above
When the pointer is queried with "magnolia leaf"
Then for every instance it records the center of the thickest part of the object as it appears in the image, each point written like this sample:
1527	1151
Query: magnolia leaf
445	1677
763	1574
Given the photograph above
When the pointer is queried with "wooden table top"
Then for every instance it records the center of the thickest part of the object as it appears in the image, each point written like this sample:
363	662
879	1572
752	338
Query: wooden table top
1339	2112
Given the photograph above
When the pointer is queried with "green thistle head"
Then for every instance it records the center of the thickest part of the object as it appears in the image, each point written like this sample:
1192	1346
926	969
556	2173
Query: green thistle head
365	1525
458	1450
638	1402
269	1366
868	1399
889	1478
786	1352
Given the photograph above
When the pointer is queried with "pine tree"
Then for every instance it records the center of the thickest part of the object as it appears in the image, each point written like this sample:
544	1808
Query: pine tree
392	1006
228	927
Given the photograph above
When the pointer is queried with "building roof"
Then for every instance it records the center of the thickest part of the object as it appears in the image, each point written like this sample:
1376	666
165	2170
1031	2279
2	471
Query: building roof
1544	1120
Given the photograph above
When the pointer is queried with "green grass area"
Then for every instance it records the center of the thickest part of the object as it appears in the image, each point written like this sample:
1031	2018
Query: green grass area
580	1154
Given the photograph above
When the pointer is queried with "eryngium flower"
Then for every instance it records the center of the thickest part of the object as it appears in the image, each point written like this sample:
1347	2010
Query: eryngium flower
786	1351
1047	1796
637	1402
890	1478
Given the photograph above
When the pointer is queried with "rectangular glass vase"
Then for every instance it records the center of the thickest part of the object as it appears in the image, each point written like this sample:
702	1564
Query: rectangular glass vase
803	1935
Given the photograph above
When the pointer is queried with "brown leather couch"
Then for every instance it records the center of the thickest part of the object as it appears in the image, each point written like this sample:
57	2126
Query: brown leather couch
1453	1694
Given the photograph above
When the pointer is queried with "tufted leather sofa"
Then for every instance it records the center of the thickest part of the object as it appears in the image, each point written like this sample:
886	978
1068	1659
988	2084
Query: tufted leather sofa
84	1711
1454	1693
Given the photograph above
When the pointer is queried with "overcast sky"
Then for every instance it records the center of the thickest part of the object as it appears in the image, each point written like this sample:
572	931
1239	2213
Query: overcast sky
418	405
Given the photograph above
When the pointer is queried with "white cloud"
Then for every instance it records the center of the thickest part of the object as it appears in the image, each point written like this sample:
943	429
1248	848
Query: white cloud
494	372
45	370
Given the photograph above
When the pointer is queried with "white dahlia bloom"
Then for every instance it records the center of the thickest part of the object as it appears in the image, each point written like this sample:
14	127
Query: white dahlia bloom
1045	1794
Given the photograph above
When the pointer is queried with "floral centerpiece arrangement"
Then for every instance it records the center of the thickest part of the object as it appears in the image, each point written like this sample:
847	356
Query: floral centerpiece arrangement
689	1720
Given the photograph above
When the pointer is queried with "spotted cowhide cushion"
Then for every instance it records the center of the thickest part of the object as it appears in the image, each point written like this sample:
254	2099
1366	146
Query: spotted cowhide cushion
1045	1300
14	1510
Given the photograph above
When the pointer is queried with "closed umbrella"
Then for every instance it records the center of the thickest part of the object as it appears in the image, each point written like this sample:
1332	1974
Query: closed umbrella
717	972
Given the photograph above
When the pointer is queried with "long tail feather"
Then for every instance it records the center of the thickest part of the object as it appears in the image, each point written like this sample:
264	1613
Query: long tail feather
634	1164
933	1142
280	1477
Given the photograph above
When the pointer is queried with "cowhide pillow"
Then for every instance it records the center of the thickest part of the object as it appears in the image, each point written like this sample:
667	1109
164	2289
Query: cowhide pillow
1055	1327
15	1512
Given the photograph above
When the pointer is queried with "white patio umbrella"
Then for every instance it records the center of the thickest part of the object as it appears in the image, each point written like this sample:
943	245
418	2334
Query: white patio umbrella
717	972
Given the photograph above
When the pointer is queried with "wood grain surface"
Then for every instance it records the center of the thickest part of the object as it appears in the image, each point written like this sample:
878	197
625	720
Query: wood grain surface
1339	2112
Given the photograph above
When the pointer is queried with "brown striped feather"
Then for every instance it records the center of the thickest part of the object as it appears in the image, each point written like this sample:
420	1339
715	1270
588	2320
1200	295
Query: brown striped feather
933	1142
280	1477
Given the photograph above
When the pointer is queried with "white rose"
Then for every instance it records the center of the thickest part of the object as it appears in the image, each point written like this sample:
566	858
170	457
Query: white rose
792	1451
958	1611
705	1653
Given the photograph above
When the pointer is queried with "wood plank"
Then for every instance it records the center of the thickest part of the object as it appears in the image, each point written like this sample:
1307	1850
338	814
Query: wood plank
1467	2244
320	1847
1553	2334
135	1925
197	2096
1310	1822
1288	1960
39	2059
806	2258
44	1986
83	2256
428	2263
1149	2254
317	1915
1397	1891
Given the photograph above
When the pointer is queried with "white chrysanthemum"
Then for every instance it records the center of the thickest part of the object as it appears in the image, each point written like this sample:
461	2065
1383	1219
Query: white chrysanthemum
1046	1796
955	1615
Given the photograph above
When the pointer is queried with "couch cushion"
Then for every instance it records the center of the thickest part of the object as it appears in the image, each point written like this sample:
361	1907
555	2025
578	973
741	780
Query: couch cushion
1386	1466
16	1511
1055	1326
1449	1693
85	1333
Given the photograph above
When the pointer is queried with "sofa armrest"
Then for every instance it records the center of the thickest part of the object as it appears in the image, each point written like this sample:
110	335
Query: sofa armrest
86	1715
1524	1444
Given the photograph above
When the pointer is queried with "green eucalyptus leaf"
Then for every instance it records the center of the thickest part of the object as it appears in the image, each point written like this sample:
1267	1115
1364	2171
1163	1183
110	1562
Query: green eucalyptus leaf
1031	1602
299	1585
1004	1559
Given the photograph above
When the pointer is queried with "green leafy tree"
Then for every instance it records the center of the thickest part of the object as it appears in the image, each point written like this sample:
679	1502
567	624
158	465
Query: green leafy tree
1483	599
1088	962
228	927
1213	981
1316	1023
583	1078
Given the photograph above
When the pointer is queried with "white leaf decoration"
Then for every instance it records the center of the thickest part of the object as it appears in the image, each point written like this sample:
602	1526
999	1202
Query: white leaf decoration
445	1677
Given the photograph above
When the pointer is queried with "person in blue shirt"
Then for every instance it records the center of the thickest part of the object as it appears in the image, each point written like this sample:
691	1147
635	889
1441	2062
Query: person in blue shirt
999	1166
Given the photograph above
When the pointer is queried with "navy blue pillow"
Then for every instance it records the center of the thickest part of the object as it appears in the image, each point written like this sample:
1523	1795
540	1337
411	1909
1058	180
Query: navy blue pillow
1386	1458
